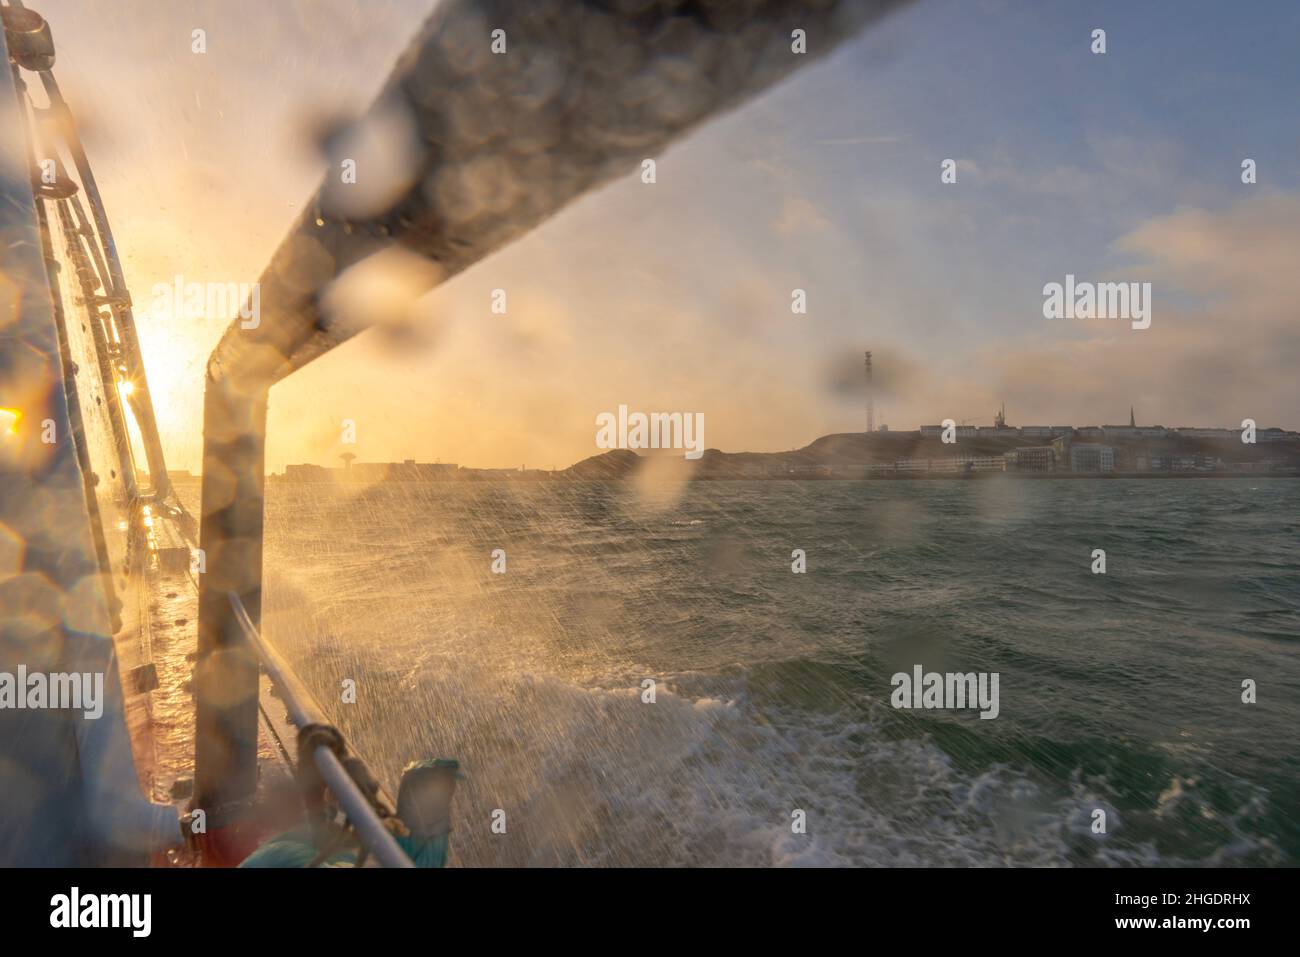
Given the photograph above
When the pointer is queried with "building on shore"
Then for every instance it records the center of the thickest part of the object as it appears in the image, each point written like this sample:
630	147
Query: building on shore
1134	431
1083	456
1031	458
1086	457
1184	463
951	463
309	473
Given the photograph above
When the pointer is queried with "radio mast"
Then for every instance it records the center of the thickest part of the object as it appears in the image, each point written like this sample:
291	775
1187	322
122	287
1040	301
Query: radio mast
871	411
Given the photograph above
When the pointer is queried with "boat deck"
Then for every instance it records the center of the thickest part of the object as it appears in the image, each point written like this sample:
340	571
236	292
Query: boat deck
156	649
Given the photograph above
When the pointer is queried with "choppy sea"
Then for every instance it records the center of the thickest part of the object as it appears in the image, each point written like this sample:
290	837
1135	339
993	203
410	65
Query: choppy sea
1119	692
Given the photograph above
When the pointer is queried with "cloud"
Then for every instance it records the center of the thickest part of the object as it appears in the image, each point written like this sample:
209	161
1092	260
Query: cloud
1138	158
1248	252
799	217
1224	341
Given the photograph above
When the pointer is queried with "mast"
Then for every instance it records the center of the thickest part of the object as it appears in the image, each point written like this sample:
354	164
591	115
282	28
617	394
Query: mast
871	410
103	273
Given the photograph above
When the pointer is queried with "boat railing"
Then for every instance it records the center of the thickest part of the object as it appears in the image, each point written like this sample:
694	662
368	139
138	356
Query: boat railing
326	755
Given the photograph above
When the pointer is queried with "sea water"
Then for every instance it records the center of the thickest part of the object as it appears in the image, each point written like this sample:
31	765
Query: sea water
640	680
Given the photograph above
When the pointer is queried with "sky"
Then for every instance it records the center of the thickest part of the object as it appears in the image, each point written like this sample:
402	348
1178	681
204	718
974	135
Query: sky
675	296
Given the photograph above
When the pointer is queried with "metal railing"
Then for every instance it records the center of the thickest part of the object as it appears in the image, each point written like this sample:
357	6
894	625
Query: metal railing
104	266
303	713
